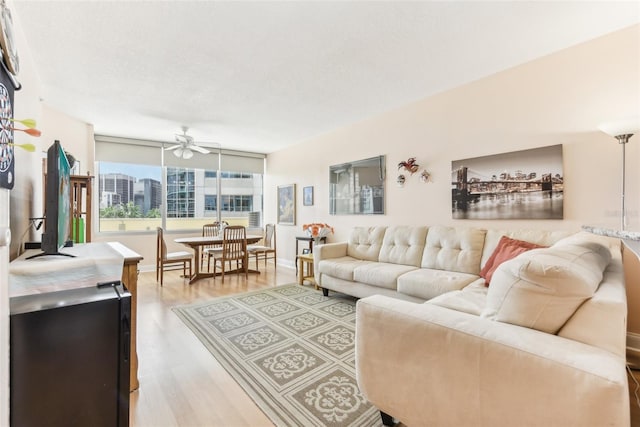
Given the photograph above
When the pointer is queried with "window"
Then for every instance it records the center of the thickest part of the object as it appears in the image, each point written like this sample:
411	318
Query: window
182	194
129	196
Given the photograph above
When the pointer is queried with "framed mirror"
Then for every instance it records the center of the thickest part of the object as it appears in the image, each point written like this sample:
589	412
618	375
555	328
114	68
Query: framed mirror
357	188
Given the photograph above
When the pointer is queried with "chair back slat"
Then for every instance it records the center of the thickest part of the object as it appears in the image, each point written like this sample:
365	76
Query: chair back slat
234	242
210	230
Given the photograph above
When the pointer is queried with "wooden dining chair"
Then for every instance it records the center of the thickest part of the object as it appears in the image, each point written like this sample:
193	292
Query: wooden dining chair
267	249
234	248
170	260
211	230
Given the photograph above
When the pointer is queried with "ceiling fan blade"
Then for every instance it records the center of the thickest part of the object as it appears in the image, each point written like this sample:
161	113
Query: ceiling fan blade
199	149
173	147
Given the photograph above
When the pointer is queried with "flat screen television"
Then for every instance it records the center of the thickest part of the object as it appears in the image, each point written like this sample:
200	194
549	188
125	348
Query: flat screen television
57	192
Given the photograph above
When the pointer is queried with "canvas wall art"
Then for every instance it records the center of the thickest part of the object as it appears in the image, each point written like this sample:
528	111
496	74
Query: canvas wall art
526	184
287	204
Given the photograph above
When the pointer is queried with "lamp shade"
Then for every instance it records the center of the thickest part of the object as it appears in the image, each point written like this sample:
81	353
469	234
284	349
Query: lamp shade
621	127
187	154
178	152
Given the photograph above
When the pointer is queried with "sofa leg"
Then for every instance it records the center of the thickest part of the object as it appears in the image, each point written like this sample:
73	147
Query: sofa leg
387	419
325	292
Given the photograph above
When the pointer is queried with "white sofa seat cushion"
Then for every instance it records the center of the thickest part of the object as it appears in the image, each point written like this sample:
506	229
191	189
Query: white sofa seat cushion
381	274
453	249
341	268
542	288
427	283
471	299
403	245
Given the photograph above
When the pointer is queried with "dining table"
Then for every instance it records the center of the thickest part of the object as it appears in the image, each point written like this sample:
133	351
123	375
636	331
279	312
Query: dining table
198	242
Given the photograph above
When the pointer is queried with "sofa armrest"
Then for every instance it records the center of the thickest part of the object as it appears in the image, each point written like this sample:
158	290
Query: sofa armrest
330	250
429	365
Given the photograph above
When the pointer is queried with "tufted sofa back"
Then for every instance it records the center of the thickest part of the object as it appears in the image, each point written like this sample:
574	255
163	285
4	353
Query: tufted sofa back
454	249
365	243
403	245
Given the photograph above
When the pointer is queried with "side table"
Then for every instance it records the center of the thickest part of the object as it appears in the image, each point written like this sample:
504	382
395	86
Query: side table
306	239
306	259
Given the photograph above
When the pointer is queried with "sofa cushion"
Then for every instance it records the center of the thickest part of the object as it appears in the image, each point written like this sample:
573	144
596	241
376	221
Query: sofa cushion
341	268
427	283
381	274
403	245
540	237
471	299
453	249
507	249
365	243
542	288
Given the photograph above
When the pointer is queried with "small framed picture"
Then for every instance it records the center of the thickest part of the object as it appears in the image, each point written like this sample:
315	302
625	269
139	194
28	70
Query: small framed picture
307	196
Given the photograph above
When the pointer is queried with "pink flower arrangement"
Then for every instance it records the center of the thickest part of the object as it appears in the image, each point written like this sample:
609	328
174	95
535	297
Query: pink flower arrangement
317	230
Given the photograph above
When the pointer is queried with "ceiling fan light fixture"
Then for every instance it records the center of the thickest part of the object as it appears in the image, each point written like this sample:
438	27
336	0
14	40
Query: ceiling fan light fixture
178	152
187	154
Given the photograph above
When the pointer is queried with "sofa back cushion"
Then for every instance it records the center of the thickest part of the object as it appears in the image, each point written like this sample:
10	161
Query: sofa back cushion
507	249
365	243
542	288
403	245
539	237
453	249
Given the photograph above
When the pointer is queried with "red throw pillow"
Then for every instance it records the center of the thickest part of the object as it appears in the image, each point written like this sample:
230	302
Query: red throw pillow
507	249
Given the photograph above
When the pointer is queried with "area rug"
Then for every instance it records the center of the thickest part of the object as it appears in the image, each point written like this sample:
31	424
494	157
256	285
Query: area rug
291	349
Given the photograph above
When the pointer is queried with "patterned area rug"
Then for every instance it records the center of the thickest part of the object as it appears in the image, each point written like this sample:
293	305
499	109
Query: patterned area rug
291	349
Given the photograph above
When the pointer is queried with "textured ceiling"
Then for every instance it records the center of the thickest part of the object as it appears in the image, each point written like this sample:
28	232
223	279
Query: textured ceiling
259	76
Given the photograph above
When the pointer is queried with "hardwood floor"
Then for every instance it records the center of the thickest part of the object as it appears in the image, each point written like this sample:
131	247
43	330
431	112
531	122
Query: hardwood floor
181	384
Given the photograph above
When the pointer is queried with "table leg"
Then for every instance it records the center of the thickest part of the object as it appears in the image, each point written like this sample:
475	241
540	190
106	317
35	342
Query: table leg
301	270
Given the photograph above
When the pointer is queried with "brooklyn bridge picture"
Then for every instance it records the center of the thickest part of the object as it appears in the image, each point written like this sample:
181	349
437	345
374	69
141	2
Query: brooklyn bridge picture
525	184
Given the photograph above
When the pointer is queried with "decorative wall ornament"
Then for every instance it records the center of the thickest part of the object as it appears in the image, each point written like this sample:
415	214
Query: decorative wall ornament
400	180
410	165
425	176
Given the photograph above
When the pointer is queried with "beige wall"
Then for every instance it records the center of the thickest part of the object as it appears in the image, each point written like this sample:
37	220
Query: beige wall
559	99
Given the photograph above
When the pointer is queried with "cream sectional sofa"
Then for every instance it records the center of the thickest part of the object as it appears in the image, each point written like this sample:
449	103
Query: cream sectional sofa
543	345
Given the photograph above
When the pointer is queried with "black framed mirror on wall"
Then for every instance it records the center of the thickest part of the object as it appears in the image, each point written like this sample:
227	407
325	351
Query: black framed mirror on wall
357	188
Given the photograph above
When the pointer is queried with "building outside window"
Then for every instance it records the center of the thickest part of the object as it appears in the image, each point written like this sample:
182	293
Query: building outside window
131	197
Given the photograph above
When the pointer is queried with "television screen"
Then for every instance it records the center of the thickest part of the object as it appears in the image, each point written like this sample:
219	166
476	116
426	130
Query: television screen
57	202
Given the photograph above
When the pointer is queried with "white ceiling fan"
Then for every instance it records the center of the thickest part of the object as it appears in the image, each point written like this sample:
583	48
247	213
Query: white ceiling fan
185	145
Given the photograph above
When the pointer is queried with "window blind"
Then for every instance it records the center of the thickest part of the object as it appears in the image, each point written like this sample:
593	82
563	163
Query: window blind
128	150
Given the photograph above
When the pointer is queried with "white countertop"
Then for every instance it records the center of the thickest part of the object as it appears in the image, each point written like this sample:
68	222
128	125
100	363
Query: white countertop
631	239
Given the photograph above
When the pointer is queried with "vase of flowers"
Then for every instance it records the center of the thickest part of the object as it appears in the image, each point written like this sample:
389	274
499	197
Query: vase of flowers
317	231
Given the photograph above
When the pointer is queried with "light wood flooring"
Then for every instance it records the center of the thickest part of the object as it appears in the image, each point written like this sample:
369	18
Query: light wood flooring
181	384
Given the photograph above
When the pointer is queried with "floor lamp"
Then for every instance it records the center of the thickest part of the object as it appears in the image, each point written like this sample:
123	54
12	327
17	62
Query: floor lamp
622	131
